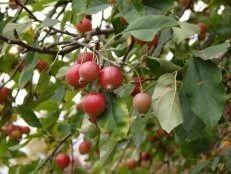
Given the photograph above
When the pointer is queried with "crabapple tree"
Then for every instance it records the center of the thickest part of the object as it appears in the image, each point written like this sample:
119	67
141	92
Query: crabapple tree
115	86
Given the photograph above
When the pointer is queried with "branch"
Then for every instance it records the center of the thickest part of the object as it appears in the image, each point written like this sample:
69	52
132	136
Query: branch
87	34
28	47
13	74
96	52
122	156
18	13
28	11
47	50
49	31
50	157
72	158
38	20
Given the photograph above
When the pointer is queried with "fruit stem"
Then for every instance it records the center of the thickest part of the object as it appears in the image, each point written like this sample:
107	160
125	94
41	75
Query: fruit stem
141	89
109	87
81	80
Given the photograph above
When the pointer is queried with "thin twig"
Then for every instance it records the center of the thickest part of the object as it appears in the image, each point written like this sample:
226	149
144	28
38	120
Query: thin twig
96	52
50	157
13	74
18	13
122	156
28	11
47	50
72	158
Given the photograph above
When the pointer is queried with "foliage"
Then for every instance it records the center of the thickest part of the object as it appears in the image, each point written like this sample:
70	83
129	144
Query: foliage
183	67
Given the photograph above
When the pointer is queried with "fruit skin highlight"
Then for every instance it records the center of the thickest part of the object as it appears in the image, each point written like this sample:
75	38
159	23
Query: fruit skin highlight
72	76
94	104
142	102
110	78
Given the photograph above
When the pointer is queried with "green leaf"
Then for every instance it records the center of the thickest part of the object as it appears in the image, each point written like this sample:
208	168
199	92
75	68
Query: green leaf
194	147
78	7
115	118
134	9
96	6
137	125
31	59
131	9
50	106
25	77
165	36
215	51
27	73
3	146
186	30
228	165
161	66
145	28
43	82
158	6
22	169
64	128
29	116
1	21
125	90
28	168
203	88
59	94
107	147
166	104
118	27
76	120
18	146
62	72
50	120
192	125
197	169
9	29
88	128
190	119
48	22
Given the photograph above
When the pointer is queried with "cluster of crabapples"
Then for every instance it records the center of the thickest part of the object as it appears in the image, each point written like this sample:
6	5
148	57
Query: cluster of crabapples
63	160
15	132
132	163
86	70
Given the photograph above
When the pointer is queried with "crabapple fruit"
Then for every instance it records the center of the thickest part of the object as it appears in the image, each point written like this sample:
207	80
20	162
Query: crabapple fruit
72	76
142	102
110	78
94	104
